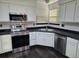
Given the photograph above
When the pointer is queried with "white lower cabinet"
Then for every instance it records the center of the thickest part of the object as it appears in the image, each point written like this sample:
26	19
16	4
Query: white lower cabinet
71	48
78	51
45	39
0	46
42	38
5	43
32	38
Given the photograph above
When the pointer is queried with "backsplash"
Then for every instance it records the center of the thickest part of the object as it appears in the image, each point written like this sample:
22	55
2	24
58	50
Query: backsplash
72	26
6	25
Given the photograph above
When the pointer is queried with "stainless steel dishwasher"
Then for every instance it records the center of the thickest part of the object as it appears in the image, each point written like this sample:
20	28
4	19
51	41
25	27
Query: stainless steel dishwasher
60	43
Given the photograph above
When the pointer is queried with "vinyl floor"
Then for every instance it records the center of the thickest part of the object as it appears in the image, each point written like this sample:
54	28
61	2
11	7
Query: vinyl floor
35	52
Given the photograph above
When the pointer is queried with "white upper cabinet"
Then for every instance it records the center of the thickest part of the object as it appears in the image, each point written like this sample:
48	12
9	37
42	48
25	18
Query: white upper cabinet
17	9
64	1
67	11
77	12
4	12
70	9
71	48
62	12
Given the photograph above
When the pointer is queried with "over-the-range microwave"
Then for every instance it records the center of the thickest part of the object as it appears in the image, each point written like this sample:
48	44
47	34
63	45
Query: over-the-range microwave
17	17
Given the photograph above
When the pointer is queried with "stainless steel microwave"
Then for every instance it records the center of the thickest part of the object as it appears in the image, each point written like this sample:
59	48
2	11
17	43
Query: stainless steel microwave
17	17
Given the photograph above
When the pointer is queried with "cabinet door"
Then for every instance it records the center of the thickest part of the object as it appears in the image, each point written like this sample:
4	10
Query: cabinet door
70	9
71	47
62	12
39	38
49	39
45	39
53	38
0	45
64	1
17	9
4	12
77	12
32	38
78	50
6	43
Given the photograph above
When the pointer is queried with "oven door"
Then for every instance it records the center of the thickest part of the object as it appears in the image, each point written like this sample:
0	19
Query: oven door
20	41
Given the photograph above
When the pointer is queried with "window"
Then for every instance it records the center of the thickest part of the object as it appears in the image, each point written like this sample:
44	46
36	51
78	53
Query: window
53	16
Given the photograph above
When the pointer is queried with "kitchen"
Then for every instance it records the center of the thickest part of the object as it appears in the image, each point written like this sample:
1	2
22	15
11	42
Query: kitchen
39	29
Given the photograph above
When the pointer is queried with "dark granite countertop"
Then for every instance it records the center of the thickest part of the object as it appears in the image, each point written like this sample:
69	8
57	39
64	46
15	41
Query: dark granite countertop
57	29
50	26
5	31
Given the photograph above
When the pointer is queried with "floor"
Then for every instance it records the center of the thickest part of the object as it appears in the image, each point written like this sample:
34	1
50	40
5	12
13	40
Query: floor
35	52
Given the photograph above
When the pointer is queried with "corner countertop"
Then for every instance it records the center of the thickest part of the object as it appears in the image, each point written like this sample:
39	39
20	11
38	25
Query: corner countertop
52	26
57	29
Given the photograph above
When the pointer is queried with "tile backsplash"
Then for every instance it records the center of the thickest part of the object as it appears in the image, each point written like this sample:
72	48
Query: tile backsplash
5	25
72	26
